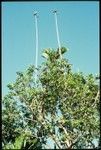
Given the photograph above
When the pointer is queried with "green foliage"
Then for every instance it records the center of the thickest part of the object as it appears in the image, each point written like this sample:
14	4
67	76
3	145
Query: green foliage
63	106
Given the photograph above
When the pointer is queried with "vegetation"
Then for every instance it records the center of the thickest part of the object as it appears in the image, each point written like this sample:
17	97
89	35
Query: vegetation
62	106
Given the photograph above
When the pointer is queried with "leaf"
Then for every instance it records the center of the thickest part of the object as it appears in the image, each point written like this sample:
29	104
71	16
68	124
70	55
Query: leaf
19	141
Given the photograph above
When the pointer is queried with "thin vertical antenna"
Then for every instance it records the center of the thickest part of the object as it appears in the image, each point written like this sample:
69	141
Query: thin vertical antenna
36	57
57	32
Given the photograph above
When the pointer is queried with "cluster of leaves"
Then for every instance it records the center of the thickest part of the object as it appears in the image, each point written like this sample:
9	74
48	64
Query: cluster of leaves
63	106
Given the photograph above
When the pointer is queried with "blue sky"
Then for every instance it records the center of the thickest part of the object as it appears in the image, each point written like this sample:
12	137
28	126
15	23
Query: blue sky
78	27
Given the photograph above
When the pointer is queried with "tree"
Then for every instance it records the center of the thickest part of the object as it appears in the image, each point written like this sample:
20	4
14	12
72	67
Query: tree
63	106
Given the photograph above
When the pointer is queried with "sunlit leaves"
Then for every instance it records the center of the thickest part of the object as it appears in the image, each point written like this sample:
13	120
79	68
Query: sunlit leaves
63	105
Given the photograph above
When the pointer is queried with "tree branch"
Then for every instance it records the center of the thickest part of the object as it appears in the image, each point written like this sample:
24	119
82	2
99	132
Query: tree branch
55	140
97	96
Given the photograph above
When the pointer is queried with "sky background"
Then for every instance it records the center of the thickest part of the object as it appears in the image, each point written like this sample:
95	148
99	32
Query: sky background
78	24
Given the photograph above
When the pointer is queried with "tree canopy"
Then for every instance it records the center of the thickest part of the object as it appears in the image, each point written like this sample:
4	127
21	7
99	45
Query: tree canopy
62	106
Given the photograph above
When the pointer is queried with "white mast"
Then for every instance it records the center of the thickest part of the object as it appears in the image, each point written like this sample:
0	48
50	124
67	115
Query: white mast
36	57
57	32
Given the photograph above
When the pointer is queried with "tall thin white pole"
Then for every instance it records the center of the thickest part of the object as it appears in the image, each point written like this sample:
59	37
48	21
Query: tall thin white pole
36	57
57	32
